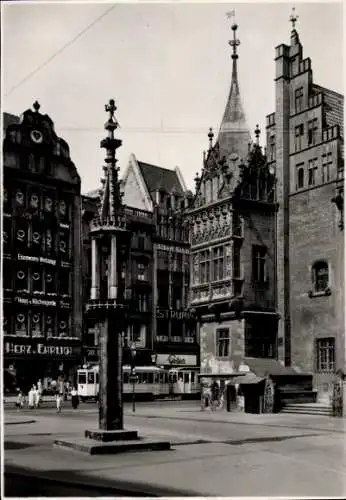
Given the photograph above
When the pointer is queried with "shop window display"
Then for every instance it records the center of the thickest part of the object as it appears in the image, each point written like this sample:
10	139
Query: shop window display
63	325
21	235
49	243
36	238
34	202
37	280
20	198
64	244
21	280
21	323
48	204
49	325
49	277
36	324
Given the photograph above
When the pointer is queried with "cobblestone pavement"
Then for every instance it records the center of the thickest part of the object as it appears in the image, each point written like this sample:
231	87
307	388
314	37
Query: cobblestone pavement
214	453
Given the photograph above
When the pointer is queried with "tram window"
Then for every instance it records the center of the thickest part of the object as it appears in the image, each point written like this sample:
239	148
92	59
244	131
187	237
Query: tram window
139	378
82	378
186	378
193	377
126	378
91	378
173	378
97	377
150	378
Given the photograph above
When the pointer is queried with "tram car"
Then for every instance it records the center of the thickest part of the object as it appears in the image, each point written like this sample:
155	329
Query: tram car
152	382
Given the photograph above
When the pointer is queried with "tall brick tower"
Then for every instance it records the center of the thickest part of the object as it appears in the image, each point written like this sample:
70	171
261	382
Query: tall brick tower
305	146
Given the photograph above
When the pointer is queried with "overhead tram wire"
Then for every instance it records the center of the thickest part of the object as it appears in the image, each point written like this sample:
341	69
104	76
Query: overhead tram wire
84	30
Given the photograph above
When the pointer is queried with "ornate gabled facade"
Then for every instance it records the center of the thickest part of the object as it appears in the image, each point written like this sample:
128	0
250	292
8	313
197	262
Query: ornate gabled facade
42	315
305	147
232	244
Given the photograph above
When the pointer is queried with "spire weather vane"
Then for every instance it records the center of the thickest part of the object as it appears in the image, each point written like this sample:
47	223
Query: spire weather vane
293	17
235	42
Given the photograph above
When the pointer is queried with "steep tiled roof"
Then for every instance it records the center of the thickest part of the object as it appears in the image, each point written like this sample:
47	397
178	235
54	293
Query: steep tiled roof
234	134
160	178
9	119
334	107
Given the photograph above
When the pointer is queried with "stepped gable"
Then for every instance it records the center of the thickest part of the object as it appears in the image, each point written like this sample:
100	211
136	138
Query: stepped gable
334	106
159	178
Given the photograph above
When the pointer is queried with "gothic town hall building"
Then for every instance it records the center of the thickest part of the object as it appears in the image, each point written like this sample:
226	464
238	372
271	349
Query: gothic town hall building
232	222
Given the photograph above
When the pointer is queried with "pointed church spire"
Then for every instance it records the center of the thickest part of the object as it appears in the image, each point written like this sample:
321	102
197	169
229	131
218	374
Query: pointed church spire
234	134
110	207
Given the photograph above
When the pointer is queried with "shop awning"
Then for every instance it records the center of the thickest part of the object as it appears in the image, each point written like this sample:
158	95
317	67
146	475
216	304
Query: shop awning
221	375
250	378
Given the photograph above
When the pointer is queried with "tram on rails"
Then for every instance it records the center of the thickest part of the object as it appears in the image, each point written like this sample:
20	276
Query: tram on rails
151	382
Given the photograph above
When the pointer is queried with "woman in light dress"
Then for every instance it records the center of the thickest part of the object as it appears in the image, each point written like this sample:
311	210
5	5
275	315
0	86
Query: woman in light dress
31	397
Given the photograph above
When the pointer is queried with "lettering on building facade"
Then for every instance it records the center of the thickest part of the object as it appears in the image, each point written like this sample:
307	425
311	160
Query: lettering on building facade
39	349
171	314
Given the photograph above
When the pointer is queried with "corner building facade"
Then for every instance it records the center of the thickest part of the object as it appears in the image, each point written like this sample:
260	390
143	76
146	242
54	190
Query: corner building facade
232	226
305	147
42	310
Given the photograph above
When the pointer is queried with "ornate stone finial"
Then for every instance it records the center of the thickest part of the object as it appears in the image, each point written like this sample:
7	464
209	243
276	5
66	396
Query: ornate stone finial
293	17
235	42
257	134
211	137
197	179
36	106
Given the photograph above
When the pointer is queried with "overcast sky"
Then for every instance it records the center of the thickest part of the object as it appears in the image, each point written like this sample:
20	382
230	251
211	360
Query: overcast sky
167	65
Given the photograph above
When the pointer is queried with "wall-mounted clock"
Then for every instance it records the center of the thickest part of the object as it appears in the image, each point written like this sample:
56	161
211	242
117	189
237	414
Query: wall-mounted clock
36	136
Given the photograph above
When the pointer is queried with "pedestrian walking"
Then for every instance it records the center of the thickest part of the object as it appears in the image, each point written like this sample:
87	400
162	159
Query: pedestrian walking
58	402
74	398
36	396
31	397
19	400
39	393
214	394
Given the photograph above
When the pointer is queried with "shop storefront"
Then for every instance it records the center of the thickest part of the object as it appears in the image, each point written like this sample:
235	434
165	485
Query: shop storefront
28	360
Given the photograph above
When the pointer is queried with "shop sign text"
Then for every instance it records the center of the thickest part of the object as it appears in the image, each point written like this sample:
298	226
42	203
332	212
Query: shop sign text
171	314
38	349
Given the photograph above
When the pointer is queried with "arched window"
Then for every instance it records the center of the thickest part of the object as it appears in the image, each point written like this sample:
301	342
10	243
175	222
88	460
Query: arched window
300	178
320	276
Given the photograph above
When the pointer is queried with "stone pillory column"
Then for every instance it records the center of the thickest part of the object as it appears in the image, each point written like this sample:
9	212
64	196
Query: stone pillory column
107	303
110	247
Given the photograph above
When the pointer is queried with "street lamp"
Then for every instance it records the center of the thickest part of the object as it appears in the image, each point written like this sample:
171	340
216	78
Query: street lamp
133	376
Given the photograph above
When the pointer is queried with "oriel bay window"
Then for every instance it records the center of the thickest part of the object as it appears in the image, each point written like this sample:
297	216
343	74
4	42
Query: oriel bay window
222	342
204	267
218	263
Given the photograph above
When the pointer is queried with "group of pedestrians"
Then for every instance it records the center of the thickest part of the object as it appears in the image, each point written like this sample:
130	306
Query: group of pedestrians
34	397
214	397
